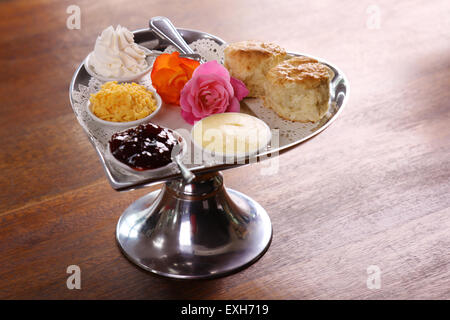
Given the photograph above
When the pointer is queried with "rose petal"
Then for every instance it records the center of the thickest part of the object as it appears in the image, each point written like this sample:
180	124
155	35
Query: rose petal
234	105
222	96
185	102
211	90
169	75
191	101
212	67
189	65
240	90
188	117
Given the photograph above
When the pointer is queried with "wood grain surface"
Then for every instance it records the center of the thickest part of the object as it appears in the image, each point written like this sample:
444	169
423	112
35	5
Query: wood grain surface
373	189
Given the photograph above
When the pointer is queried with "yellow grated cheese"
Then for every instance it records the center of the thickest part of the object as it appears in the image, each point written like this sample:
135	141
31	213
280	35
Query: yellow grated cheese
122	102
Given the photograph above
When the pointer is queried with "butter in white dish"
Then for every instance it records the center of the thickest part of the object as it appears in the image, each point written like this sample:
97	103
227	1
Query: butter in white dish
231	134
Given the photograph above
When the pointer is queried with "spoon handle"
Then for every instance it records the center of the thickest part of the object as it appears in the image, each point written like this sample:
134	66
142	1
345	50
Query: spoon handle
166	30
187	174
194	56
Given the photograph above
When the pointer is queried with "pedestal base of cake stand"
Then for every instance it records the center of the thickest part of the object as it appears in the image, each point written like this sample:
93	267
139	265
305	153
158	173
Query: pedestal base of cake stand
194	231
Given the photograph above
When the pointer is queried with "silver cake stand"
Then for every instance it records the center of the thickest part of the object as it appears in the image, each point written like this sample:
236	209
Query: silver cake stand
200	229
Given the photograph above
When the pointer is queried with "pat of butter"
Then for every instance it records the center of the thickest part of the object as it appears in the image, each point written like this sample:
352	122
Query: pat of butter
231	134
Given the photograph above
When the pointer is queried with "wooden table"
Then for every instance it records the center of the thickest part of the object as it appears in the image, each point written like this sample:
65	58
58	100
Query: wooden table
371	190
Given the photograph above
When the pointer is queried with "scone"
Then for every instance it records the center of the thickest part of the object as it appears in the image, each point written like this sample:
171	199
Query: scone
298	89
249	61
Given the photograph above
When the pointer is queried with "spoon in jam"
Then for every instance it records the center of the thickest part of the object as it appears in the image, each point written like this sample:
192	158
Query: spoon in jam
187	174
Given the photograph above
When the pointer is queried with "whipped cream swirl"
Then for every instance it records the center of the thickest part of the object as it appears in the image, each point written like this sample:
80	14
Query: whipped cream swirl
116	54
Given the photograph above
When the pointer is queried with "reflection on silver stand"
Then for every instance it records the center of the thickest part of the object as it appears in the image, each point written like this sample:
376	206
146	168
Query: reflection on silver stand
194	231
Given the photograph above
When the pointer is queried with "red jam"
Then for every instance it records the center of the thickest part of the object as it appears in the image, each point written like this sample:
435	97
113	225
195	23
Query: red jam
147	146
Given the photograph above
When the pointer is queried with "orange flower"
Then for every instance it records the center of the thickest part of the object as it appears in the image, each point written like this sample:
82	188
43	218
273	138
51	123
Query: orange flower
169	75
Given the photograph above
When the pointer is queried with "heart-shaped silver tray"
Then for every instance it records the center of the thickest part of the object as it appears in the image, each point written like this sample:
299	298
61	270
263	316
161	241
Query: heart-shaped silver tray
288	135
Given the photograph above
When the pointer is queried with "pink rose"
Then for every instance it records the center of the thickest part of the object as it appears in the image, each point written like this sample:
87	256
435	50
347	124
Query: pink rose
210	90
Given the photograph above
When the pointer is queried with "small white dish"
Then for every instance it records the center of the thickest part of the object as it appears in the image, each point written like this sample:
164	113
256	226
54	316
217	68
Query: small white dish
231	157
128	123
173	164
90	70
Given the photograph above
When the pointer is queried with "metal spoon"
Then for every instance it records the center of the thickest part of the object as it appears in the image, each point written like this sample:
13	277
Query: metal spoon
166	30
150	55
187	174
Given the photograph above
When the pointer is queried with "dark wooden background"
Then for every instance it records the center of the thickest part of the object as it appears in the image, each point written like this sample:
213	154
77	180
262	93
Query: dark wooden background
371	190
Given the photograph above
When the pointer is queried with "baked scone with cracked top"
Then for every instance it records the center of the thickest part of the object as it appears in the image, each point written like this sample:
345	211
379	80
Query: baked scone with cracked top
249	61
298	89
